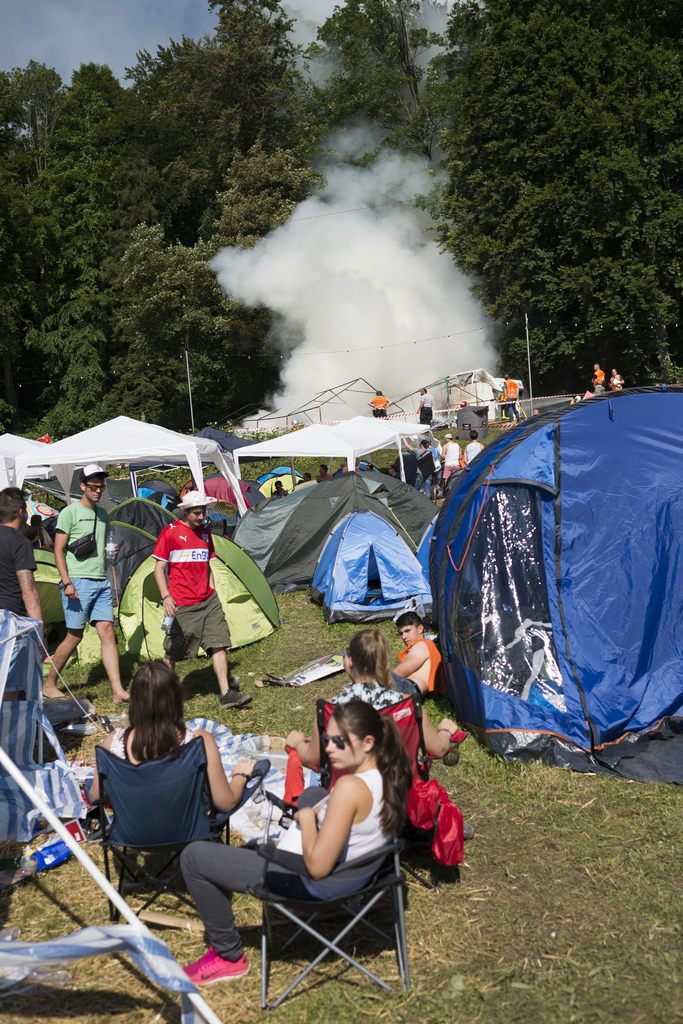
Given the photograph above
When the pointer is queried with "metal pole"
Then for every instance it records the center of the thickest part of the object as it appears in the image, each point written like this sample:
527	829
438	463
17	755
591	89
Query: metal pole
189	385
92	869
528	358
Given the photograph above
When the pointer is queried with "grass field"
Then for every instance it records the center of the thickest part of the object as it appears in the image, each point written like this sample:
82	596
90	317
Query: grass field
568	907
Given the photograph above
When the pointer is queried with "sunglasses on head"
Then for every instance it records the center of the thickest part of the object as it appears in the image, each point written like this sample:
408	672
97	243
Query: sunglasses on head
338	741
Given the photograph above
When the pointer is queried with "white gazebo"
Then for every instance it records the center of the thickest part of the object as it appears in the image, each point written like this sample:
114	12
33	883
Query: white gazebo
12	445
348	440
124	440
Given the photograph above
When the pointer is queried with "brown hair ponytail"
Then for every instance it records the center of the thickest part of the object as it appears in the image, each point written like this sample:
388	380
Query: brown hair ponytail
392	760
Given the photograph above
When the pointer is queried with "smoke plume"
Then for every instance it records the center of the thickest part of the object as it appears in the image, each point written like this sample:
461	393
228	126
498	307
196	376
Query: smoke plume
359	290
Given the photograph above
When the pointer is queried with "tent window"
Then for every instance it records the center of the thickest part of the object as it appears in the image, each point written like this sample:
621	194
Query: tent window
499	607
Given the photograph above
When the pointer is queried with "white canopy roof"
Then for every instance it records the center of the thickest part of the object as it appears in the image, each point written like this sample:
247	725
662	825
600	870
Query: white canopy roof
347	440
12	445
126	440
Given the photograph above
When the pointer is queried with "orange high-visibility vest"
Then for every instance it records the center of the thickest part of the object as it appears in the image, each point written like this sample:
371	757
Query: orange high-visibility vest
599	377
379	402
511	391
616	383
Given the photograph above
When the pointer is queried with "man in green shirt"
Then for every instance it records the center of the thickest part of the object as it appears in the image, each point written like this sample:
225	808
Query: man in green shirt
86	594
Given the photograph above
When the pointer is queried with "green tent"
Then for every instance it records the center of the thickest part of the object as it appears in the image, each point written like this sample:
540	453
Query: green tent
248	602
47	584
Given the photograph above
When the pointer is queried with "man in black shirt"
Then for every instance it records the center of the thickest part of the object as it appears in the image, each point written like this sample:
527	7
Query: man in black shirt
18	592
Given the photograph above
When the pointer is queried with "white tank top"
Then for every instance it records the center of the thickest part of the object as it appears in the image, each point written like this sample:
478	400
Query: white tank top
118	749
452	454
364	838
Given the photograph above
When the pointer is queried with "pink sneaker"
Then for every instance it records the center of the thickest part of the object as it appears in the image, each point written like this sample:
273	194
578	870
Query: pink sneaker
211	968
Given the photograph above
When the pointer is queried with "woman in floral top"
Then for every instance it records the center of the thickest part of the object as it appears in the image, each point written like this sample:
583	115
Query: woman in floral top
367	662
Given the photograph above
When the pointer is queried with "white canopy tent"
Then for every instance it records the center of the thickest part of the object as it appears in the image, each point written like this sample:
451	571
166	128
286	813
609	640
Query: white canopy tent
124	440
347	440
12	445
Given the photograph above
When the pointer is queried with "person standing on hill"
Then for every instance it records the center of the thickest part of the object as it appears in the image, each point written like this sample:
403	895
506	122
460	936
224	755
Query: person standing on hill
426	403
379	405
184	552
80	536
616	381
598	379
510	395
18	591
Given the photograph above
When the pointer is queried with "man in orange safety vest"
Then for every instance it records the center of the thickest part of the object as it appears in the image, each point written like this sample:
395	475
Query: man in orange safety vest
616	381
510	395
598	379
379	405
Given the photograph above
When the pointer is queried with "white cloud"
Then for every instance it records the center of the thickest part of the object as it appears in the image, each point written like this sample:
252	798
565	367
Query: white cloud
67	33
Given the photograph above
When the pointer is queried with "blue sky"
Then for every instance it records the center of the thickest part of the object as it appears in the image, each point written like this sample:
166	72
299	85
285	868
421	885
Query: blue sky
67	33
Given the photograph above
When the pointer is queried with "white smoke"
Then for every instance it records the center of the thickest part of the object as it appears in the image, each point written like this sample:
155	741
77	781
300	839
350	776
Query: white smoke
361	292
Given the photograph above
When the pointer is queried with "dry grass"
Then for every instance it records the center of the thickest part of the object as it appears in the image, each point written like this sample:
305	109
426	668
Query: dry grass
568	909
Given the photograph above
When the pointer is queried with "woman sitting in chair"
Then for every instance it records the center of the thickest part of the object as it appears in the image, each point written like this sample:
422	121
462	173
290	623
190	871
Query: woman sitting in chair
157	728
367	662
364	810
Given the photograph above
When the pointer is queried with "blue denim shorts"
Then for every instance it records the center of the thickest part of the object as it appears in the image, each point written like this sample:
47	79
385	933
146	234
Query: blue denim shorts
92	605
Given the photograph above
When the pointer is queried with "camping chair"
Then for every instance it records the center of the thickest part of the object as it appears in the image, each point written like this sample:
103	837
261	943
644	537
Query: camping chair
159	806
407	714
387	878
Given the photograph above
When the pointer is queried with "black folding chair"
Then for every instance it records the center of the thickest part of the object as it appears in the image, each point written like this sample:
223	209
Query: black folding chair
159	807
386	879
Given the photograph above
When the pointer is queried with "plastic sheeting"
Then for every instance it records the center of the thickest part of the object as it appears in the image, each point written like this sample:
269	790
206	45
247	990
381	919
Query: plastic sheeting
500	606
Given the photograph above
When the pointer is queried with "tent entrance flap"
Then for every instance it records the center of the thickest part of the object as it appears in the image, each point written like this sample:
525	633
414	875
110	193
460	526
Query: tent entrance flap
500	609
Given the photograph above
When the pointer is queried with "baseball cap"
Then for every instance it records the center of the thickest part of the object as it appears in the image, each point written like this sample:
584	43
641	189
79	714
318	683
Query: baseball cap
195	499
92	469
448	437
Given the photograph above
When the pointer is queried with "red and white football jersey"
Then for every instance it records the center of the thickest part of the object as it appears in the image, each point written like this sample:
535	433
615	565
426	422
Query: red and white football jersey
188	553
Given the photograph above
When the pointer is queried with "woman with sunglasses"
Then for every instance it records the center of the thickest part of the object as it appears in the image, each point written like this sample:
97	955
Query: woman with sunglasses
367	661
361	814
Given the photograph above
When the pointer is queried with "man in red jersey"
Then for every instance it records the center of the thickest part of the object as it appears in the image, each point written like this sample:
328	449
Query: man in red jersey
184	552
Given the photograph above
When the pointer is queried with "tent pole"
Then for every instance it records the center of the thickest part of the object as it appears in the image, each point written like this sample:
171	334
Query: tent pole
189	385
293	471
400	459
92	869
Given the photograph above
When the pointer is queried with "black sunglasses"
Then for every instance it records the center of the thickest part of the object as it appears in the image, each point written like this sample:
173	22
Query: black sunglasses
338	741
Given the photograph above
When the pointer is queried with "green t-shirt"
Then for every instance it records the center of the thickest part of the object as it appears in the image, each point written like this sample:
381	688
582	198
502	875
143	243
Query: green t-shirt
76	521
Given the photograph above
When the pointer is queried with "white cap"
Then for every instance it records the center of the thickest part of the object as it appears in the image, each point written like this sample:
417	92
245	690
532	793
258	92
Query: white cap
92	470
448	436
195	499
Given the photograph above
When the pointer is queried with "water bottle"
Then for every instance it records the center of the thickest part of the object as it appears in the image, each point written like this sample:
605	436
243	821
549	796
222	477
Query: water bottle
167	623
110	547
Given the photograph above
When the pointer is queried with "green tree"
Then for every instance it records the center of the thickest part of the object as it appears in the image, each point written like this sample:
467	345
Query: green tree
170	302
384	70
565	191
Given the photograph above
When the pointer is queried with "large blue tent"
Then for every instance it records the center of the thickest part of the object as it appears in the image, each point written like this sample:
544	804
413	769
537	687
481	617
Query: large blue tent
556	571
366	572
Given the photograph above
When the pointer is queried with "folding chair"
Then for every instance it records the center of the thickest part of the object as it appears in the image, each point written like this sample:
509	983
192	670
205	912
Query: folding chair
386	878
407	714
159	806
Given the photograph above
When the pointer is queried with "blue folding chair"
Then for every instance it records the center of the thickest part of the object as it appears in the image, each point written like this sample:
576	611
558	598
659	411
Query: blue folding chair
159	806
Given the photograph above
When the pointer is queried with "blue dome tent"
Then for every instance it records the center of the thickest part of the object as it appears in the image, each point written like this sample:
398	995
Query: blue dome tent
366	572
555	569
424	547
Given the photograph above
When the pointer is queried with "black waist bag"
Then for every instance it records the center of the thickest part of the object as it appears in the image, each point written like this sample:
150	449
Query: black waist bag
84	546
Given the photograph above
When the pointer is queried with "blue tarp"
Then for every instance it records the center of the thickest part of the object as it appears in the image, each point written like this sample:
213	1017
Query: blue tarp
555	568
366	572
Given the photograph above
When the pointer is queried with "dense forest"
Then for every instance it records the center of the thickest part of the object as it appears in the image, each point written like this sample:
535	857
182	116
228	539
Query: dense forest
554	131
